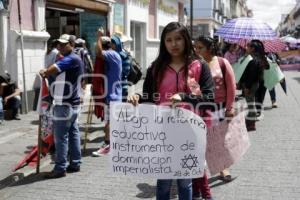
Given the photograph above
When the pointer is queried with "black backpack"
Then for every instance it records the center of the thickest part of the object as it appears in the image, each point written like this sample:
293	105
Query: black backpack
87	62
135	73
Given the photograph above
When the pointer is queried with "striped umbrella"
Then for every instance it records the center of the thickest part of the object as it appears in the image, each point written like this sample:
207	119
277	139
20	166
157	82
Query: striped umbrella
271	46
246	28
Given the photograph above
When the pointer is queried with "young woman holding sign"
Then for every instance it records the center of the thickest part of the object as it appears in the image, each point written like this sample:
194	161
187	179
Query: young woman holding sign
172	77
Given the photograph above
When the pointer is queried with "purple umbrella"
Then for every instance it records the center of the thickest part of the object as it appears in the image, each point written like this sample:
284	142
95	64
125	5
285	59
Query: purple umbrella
270	45
246	28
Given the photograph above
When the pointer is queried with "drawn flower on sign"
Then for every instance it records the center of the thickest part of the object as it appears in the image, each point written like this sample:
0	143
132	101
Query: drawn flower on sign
189	162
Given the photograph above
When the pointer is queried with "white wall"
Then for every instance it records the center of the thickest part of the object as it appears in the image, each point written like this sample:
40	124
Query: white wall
138	13
141	14
152	51
3	40
34	53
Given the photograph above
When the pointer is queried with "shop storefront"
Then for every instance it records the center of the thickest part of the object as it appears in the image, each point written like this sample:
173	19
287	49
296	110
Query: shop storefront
80	18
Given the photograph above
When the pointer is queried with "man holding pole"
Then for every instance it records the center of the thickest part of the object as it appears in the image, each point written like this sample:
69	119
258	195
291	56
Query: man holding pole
66	102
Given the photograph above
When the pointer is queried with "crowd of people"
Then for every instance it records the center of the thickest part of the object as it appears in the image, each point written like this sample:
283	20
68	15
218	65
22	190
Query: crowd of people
180	64
68	69
177	66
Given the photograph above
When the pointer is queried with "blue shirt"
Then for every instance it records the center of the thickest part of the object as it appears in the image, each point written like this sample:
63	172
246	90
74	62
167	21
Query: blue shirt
113	72
68	81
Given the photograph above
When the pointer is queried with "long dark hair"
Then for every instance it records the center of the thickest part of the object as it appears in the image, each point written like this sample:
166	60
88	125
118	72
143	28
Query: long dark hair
259	53
210	44
160	64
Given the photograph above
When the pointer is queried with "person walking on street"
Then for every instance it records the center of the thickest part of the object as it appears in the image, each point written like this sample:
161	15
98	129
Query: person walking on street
170	77
260	94
252	80
224	80
66	109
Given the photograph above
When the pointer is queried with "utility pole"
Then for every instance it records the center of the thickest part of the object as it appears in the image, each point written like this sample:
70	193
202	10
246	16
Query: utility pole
22	55
191	17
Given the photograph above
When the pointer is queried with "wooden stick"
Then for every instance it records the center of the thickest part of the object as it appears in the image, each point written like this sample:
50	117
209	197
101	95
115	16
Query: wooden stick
88	122
39	145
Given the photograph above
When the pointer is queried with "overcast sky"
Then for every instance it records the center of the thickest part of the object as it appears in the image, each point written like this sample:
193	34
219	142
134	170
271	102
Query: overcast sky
270	11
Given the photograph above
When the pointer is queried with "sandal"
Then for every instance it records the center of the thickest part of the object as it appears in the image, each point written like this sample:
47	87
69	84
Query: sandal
226	177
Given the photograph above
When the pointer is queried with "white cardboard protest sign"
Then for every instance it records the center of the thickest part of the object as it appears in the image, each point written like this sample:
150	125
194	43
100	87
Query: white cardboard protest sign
156	141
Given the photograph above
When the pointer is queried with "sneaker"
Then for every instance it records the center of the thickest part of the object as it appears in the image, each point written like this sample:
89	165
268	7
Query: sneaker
102	151
259	117
274	105
71	169
54	174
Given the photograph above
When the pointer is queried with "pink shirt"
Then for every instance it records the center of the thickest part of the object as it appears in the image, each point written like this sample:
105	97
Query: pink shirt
174	82
223	93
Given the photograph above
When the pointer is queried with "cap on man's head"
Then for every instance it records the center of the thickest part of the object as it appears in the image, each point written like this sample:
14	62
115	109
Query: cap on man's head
65	38
105	39
79	41
72	38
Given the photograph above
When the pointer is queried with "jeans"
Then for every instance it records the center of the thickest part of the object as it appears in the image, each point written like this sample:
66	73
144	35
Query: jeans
251	102
260	96
273	95
164	187
66	137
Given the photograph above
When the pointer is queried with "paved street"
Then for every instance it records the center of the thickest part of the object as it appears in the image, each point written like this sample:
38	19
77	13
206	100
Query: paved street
16	138
269	170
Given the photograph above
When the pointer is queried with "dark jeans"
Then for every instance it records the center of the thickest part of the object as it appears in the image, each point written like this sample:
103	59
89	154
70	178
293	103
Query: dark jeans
164	188
260	96
251	102
273	95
